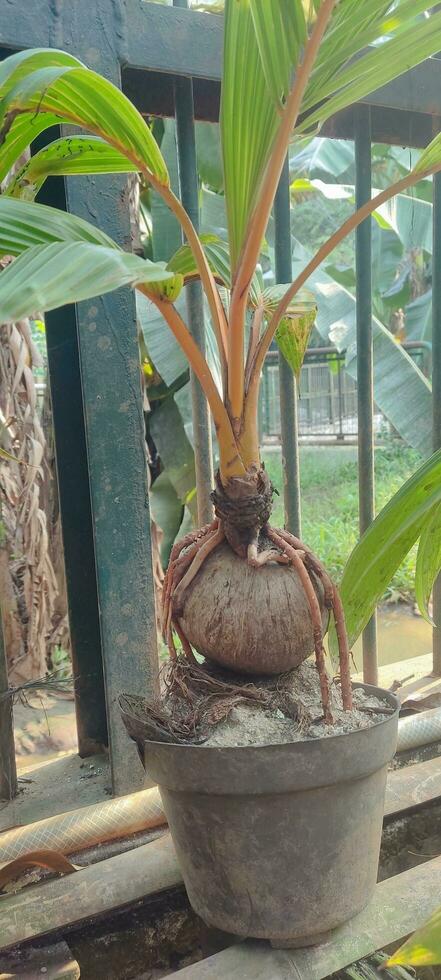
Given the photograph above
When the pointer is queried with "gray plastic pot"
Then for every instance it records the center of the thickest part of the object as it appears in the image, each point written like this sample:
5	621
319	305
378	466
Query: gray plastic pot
278	841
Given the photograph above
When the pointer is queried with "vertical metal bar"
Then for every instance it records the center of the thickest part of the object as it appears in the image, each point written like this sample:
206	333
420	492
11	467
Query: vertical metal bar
8	771
76	519
340	436
288	387
188	181
76	515
436	388
365	390
267	399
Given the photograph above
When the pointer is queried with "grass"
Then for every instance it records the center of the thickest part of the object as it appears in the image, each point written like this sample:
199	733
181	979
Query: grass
329	494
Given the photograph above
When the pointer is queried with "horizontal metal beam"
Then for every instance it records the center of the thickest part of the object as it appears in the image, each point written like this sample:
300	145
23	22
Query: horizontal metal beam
183	42
174	40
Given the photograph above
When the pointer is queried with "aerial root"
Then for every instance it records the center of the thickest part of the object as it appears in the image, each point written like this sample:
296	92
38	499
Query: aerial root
298	563
332	602
186	559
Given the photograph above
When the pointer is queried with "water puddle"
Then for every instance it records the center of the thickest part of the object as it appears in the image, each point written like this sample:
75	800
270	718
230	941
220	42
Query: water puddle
401	636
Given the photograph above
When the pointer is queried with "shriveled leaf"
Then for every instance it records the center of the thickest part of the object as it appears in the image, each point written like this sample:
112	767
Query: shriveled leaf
292	337
423	948
428	563
43	858
383	547
303	302
24	224
48	276
77	95
64	157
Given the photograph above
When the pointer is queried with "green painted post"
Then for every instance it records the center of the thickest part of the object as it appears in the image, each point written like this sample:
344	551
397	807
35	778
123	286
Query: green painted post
114	419
288	386
76	515
365	391
436	388
188	180
8	770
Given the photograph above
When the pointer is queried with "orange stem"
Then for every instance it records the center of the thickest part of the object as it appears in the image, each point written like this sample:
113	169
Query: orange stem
349	225
226	439
260	215
214	301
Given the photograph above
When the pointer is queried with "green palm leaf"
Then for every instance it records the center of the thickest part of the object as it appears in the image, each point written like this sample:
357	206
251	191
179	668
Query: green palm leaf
341	83
385	544
24	225
423	948
217	254
24	129
73	94
248	121
66	156
218	257
48	276
280	29
428	562
19	65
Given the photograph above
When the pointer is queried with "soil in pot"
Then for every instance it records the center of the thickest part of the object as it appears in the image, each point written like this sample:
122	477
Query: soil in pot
254	724
205	704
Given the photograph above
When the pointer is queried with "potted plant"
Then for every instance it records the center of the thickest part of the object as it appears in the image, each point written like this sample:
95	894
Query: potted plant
276	840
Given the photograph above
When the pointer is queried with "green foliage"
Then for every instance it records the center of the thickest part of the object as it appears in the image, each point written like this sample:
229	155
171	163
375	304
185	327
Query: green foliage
248	121
48	276
423	948
292	337
329	487
428	560
380	552
64	157
70	93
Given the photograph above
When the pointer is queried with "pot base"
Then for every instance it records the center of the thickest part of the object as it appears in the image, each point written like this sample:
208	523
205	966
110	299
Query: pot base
300	942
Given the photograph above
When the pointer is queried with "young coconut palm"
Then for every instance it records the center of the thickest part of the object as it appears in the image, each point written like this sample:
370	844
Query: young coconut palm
286	71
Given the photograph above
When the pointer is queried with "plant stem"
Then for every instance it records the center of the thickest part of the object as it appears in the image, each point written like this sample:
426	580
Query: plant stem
232	462
323	252
260	215
214	301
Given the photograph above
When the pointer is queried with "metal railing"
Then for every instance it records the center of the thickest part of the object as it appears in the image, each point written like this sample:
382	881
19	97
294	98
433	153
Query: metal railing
327	397
168	61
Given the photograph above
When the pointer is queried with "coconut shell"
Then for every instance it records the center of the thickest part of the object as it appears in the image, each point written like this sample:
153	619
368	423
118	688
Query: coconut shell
251	620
